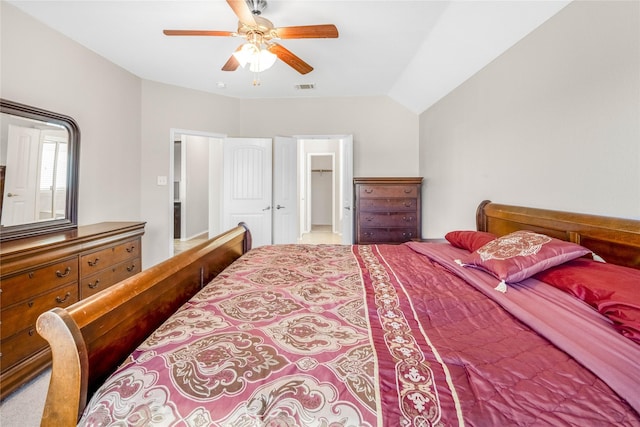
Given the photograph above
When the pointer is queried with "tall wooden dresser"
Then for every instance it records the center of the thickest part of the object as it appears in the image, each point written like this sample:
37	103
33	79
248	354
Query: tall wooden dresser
55	270
388	210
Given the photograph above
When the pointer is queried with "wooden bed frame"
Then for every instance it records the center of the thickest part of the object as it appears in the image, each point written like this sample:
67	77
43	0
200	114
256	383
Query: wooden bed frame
92	337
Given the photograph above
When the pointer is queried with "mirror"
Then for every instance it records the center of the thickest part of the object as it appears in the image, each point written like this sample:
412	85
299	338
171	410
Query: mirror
39	153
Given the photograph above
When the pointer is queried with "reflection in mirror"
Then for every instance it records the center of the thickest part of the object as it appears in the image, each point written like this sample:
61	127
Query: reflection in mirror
36	189
39	161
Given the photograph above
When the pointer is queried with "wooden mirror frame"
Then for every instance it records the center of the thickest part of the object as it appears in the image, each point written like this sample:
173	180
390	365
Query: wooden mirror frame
70	221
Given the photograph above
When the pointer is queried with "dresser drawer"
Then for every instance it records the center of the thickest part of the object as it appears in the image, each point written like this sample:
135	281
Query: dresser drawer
387	205
34	282
109	276
365	190
386	235
20	346
96	261
24	314
388	219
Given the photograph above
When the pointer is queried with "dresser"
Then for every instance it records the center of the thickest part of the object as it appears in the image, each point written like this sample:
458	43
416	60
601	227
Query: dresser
55	270
388	210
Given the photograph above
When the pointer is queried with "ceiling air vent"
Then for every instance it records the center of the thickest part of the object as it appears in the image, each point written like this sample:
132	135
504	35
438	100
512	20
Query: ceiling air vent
306	86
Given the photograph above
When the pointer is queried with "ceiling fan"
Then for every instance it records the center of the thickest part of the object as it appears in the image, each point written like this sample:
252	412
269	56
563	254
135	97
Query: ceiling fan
260	48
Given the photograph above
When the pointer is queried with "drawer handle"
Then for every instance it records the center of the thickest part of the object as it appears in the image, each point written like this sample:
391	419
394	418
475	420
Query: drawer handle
368	190
93	263
64	273
407	204
369	218
30	304
407	190
32	332
60	300
131	249
368	233
405	234
131	268
94	284
407	218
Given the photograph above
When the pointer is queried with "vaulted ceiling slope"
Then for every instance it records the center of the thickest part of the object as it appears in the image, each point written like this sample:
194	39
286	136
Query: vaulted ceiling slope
412	51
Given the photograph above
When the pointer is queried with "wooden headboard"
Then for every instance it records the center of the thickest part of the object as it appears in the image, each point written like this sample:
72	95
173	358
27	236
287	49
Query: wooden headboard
616	240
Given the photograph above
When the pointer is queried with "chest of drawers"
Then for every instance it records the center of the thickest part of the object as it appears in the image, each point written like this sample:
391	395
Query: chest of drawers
56	270
388	210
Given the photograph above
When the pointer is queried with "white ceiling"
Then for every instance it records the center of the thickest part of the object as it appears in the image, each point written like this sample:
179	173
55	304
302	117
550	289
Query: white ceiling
413	51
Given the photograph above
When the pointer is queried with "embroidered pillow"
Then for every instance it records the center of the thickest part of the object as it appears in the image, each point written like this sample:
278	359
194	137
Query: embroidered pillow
469	240
519	255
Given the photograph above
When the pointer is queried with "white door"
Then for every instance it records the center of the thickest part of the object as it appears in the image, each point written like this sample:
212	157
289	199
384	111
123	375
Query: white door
247	172
346	175
285	190
21	182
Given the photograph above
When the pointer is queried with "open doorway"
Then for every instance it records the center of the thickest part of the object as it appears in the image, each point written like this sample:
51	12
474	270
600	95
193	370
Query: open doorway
194	187
325	205
321	196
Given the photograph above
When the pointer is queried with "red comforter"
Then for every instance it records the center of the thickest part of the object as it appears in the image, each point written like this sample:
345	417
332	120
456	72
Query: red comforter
350	336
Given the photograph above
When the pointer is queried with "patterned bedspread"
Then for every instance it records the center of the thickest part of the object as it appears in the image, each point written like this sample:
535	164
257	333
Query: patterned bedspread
327	336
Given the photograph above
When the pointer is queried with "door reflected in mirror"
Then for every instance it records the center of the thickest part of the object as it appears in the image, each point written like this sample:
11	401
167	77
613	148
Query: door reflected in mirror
39	157
36	176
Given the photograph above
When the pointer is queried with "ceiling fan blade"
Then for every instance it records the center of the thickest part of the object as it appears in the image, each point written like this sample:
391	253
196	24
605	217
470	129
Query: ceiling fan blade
285	55
232	63
326	31
197	33
242	11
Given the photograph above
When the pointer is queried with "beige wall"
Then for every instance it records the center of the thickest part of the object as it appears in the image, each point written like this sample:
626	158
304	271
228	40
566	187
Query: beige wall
42	68
385	134
554	122
376	124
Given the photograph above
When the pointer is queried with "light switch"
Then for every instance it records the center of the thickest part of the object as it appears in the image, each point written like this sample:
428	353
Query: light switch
162	180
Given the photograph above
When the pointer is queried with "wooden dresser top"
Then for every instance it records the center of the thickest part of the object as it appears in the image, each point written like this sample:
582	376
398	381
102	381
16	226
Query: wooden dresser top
81	238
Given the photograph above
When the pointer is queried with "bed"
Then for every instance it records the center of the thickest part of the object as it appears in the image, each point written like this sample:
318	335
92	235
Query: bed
418	334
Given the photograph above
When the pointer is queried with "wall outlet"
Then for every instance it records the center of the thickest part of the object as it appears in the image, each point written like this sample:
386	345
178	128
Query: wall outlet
162	180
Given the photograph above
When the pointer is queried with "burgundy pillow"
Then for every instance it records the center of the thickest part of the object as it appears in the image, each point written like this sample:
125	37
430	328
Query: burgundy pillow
469	240
519	255
611	289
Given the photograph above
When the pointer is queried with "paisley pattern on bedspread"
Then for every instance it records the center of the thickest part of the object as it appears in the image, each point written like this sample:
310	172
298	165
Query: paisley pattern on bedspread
280	338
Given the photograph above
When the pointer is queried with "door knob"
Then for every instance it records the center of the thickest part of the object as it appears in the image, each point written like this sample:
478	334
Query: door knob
12	195
280	207
267	208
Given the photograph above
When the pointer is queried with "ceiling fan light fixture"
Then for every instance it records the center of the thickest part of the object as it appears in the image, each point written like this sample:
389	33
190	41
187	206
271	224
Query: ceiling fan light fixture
259	59
245	53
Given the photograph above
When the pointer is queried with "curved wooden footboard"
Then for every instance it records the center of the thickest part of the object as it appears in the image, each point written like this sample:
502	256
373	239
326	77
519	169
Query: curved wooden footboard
92	337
